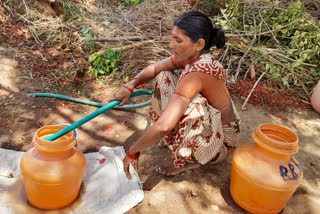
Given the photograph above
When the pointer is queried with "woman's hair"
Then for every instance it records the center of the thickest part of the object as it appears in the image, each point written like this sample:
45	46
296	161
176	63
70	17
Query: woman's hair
197	25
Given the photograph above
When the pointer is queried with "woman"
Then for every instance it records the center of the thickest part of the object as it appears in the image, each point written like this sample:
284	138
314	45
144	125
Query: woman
191	108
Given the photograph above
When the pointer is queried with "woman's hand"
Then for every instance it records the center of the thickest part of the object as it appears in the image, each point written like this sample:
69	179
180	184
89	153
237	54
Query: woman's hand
122	94
126	164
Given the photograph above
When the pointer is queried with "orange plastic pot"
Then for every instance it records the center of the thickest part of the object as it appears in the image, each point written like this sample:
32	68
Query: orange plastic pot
264	175
52	170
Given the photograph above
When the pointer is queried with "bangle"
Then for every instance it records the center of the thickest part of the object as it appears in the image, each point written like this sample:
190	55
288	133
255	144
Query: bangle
133	157
130	89
140	80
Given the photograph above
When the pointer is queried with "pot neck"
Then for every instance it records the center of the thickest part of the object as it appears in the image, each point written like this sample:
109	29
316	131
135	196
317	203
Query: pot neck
276	139
59	145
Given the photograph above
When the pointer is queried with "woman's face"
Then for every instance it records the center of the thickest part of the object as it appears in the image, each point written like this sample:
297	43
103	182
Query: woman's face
183	48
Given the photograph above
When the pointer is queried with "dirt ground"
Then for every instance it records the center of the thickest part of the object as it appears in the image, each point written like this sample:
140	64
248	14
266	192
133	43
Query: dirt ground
202	190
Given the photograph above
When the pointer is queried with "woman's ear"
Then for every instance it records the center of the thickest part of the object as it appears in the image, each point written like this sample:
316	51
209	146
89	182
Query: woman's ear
201	43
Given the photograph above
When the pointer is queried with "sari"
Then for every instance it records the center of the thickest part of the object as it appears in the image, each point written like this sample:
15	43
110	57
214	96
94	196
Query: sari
199	134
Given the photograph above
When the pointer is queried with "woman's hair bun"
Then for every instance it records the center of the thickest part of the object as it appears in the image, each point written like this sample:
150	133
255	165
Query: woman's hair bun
218	38
197	25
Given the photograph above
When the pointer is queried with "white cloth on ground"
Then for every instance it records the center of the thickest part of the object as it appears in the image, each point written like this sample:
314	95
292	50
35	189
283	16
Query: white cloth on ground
105	188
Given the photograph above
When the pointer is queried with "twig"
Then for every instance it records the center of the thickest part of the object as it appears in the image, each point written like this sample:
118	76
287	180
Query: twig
55	77
243	23
306	102
259	36
250	46
193	8
116	39
224	54
294	73
26	6
284	26
302	84
160	27
137	29
254	86
270	30
263	33
229	63
161	49
292	60
34	34
226	18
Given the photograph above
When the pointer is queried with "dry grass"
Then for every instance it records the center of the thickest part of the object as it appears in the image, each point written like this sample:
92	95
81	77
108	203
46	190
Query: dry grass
151	20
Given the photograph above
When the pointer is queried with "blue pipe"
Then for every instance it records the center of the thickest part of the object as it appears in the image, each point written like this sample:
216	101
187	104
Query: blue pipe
92	115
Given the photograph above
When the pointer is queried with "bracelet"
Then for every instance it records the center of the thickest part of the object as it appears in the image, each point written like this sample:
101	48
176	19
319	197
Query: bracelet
140	80
132	157
130	89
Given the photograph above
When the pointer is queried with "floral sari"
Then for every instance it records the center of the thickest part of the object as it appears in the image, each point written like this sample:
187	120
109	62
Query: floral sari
199	133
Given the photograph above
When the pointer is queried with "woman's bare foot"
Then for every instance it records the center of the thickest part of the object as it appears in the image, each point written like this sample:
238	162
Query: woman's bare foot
171	170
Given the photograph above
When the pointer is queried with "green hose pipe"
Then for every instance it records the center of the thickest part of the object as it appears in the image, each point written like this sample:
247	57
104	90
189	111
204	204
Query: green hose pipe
86	102
92	115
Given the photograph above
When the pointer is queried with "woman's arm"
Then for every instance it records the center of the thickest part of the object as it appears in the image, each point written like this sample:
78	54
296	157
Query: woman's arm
176	107
144	76
179	101
152	71
168	120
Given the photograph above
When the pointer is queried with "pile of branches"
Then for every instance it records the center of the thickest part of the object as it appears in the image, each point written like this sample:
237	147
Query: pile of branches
281	41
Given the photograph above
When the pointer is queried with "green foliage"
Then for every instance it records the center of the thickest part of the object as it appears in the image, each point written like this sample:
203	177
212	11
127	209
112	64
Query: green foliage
135	2
293	57
104	63
88	37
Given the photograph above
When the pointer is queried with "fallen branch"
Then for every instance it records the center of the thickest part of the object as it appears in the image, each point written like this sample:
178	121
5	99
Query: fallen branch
126	38
254	86
127	46
250	46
